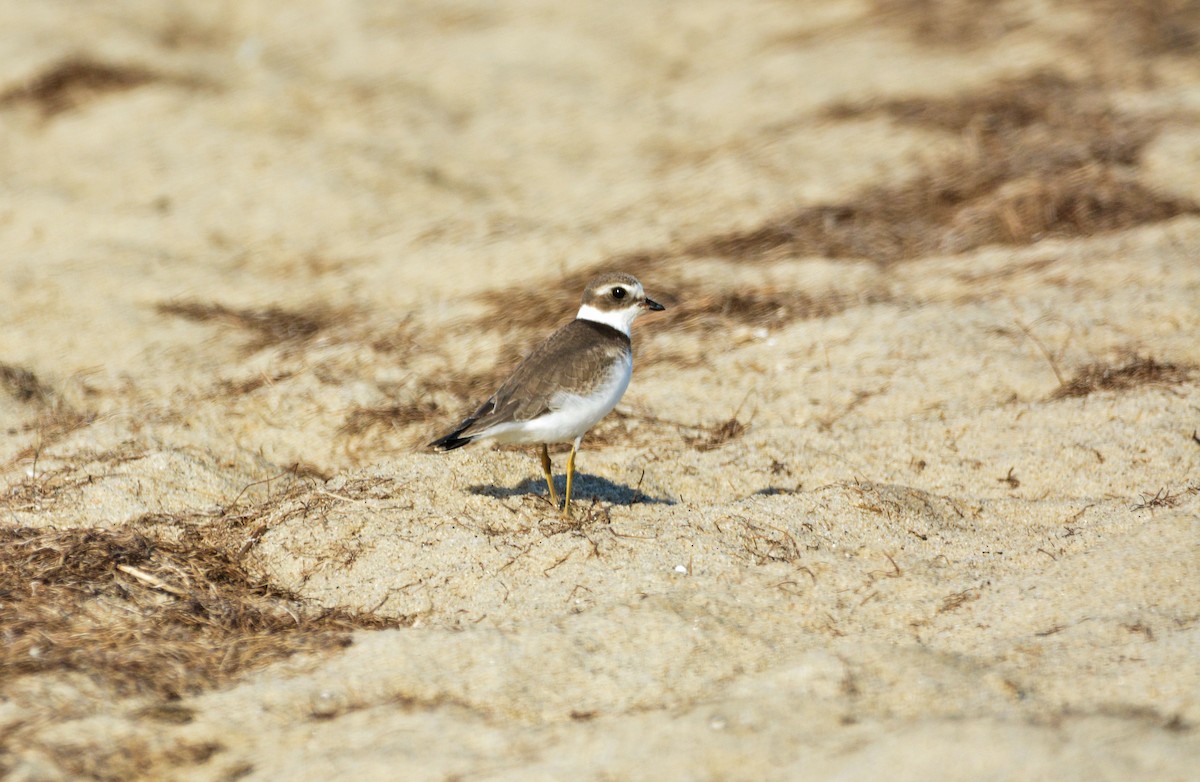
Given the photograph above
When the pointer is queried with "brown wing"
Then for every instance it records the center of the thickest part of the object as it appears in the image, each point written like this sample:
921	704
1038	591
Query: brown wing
566	361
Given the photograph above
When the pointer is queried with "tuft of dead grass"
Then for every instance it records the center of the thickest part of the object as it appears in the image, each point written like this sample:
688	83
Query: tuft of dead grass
363	419
40	488
957	600
53	423
127	758
709	308
762	543
948	22
425	409
1046	157
1138	372
719	435
270	326
74	81
152	611
1146	28
1159	499
1003	107
53	418
23	385
624	428
1132	28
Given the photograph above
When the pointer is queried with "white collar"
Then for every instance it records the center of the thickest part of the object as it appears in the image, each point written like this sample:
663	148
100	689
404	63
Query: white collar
621	319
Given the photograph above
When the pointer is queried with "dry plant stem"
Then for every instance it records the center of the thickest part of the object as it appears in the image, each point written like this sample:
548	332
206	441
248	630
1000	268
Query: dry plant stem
153	581
1045	352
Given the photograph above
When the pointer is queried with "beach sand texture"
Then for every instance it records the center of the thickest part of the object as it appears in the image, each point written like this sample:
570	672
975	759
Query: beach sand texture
906	484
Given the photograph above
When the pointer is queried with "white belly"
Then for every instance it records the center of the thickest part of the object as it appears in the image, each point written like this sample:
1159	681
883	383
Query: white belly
571	415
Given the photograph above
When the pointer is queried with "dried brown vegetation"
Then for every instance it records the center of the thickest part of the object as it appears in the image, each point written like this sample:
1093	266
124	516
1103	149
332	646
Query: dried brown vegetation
22	384
53	422
130	758
763	543
74	81
430	406
624	428
1147	28
53	418
957	23
1133	374
163	607
1007	106
1136	28
270	326
706	307
719	435
40	488
1046	157
1159	499
363	419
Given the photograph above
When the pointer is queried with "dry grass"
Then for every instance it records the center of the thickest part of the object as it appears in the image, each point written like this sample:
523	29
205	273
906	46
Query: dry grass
762	543
1164	498
1046	158
269	326
72	82
710	308
1131	28
1146	28
948	22
22	384
624	428
958	599
53	423
362	419
725	432
132	758
53	418
165	607
424	410
39	488
1004	107
1135	373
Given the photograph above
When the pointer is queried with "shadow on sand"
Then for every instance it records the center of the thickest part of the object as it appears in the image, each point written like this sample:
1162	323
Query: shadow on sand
586	487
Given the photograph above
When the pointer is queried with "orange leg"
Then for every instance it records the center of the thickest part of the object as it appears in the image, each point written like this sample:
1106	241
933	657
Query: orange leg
570	477
550	476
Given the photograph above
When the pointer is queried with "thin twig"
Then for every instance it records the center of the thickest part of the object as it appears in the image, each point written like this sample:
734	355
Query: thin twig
153	581
1045	352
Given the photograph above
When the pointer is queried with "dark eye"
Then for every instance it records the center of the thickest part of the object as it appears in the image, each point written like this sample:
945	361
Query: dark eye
619	292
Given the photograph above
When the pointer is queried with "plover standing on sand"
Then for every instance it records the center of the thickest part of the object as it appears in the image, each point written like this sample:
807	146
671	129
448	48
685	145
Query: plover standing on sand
568	383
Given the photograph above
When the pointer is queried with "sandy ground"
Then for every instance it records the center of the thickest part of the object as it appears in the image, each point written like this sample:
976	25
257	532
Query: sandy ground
906	484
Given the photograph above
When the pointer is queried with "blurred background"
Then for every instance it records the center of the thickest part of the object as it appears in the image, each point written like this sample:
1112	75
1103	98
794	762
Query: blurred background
295	171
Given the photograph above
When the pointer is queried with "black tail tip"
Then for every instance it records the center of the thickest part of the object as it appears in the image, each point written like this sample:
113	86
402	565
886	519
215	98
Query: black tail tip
450	442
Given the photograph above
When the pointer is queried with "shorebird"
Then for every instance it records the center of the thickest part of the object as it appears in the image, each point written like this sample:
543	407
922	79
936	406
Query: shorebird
568	383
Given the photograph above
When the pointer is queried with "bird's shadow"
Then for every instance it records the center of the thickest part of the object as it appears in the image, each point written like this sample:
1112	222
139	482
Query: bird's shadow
585	487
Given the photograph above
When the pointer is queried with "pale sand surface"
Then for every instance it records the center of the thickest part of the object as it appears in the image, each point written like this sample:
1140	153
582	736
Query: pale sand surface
914	562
